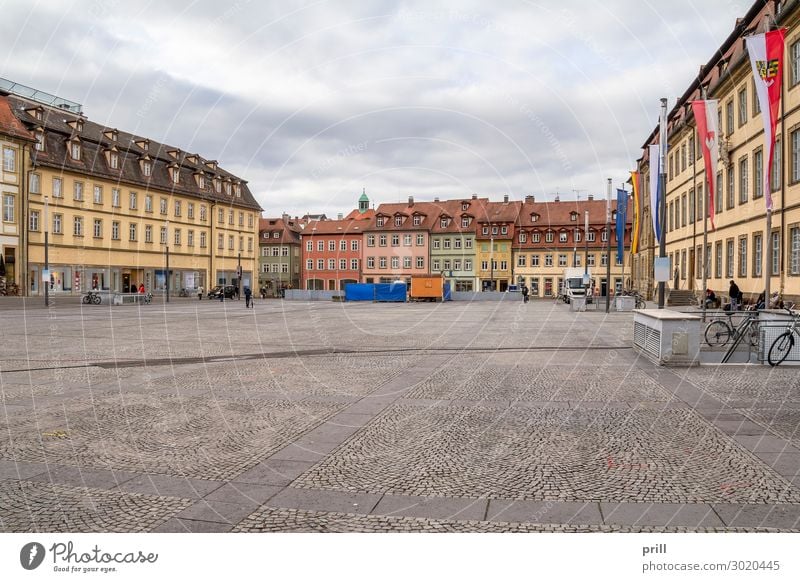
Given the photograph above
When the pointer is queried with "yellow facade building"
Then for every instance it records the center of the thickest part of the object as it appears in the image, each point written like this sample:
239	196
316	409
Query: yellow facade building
117	207
739	248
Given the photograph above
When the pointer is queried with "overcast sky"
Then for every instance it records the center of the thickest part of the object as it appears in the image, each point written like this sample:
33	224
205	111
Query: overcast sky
311	101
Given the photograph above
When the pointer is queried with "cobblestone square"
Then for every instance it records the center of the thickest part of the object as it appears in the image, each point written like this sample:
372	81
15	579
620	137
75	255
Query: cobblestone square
310	416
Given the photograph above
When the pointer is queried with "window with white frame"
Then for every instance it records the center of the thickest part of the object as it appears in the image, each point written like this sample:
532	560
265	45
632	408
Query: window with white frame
562	237
379	221
370	262
420	240
354	245
98	228
331	245
354	264
164	235
148	234
370	240
420	263
77	191
57	191
406	240
77	226
309	264
9	204
132	232
33	222
34	184
331	264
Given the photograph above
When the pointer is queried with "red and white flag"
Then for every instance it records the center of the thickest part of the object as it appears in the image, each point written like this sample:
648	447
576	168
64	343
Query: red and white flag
705	114
766	59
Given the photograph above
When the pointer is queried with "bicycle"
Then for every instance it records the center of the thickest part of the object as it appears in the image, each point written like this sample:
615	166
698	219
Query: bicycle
719	332
783	344
92	297
638	297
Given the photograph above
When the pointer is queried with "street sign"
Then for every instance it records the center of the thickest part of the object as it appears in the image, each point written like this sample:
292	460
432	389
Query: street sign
661	269
45	275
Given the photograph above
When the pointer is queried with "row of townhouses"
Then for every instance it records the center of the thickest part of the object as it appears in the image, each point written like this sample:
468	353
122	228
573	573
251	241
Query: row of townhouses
739	248
115	207
474	243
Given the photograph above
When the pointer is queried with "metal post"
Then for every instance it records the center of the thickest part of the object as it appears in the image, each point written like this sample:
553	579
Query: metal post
767	240
608	247
166	279
239	278
586	252
662	186
705	244
491	262
46	254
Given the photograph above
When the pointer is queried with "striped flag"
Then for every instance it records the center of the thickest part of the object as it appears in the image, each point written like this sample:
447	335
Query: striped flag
636	224
655	199
622	211
766	60
705	115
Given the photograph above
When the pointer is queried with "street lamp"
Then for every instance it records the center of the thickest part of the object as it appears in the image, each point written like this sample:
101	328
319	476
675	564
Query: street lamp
239	277
586	281
166	242
46	254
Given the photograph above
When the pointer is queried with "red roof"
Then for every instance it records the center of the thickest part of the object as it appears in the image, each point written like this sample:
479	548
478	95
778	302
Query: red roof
10	125
316	227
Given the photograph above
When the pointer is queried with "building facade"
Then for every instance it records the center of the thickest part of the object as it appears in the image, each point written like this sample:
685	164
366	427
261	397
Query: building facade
279	254
16	142
452	242
396	241
739	248
551	237
331	253
493	240
117	207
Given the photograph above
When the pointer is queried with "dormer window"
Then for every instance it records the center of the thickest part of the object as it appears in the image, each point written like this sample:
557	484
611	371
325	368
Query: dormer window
494	230
523	237
228	188
443	223
465	222
142	143
464	206
379	221
613	215
237	189
201	181
398	221
75	150
192	158
573	216
147	167
113	160
111	134
562	236
212	164
174	153
417	220
40	140
76	124
503	230
534	217
217	185
175	174
485	230
36	112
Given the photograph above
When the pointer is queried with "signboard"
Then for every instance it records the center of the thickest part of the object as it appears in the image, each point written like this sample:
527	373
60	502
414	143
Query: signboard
78	281
587	279
661	269
45	275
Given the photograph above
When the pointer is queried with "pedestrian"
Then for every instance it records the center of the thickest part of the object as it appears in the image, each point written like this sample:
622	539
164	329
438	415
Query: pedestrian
247	297
735	295
711	299
222	294
199	292
141	288
524	290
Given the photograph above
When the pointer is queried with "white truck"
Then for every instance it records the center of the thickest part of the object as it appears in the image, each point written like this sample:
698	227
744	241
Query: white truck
573	285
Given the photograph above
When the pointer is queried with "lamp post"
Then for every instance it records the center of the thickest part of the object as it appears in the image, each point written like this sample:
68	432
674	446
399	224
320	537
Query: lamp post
239	277
586	282
491	262
46	254
166	252
662	186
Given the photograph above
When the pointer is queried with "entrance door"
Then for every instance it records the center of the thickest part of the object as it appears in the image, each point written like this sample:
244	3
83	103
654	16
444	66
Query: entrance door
126	282
691	269
603	287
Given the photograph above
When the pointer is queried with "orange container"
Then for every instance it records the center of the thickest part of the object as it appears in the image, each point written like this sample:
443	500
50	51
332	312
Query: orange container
427	287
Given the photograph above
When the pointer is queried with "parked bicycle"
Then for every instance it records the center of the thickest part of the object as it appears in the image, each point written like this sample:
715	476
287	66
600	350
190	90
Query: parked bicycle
638	297
719	332
183	293
783	344
92	297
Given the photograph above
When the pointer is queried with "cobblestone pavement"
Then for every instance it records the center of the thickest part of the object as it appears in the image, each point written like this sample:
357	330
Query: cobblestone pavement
200	416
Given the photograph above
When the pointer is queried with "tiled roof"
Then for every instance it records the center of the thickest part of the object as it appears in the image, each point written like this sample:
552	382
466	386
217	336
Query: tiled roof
95	142
334	227
289	231
9	124
558	214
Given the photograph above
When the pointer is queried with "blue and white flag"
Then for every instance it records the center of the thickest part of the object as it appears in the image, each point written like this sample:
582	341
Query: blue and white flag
622	212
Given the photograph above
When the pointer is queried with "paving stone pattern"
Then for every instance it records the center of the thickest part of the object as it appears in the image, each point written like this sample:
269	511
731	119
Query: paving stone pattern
486	417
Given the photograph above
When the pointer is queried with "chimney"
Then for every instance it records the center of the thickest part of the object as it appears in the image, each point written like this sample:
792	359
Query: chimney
340	216
285	217
557	199
505	199
474	196
411	201
591	197
529	198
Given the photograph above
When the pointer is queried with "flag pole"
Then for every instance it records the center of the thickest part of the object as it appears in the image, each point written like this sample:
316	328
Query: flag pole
608	248
706	213
623	237
662	186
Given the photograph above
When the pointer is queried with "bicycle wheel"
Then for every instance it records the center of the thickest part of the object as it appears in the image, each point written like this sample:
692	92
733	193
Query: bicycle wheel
86	299
718	333
640	304
780	348
96	299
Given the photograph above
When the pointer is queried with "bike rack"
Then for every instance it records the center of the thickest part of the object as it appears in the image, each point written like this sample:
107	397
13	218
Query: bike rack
768	332
744	334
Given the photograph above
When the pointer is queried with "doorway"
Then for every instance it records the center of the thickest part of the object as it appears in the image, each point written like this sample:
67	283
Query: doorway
126	282
691	269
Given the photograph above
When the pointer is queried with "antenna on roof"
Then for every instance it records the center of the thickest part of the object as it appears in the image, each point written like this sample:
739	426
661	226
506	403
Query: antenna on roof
578	192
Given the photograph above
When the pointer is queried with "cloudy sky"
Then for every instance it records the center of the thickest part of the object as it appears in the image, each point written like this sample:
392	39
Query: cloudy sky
313	100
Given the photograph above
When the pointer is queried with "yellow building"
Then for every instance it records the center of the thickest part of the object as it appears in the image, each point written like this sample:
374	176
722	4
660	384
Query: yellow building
117	206
493	239
739	249
14	142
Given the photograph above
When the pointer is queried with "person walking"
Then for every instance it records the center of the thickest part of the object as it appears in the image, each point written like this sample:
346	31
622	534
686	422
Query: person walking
524	290
141	288
247	297
199	292
735	295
